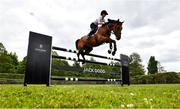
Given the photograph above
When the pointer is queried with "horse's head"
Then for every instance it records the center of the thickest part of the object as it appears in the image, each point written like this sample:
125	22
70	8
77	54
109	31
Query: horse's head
116	27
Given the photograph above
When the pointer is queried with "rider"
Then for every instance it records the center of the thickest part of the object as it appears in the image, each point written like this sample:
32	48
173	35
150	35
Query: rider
99	21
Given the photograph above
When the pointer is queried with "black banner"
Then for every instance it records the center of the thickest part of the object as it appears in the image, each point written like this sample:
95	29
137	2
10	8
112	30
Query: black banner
83	70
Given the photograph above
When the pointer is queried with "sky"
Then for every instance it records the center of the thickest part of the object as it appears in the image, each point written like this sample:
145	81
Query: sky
151	27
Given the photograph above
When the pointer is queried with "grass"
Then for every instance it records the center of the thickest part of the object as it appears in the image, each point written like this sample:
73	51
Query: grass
93	96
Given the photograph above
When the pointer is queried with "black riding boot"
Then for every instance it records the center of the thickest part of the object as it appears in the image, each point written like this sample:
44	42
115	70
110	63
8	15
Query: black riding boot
94	28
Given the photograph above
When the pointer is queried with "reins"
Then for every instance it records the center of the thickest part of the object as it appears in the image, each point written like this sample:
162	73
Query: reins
111	32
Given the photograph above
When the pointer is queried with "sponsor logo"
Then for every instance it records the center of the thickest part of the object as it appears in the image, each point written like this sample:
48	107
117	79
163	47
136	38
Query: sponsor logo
40	48
94	70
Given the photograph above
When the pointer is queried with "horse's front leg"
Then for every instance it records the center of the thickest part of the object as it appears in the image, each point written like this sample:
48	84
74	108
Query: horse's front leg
115	48
110	47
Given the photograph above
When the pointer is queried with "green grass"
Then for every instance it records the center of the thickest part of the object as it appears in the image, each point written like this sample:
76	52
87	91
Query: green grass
94	96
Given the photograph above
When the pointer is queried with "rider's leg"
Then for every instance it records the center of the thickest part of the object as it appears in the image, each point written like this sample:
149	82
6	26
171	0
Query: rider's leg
94	28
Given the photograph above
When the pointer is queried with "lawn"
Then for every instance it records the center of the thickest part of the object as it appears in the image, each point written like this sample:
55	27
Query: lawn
93	96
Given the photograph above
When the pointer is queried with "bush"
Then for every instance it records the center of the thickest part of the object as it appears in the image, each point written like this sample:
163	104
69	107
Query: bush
159	78
11	81
11	76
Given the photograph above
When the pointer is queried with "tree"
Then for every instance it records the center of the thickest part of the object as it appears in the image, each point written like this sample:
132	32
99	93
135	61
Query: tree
8	61
5	64
2	49
160	68
152	65
113	68
58	62
91	65
14	58
22	65
136	68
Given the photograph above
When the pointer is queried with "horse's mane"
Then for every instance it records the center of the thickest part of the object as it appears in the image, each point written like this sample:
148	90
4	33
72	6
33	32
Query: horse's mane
106	23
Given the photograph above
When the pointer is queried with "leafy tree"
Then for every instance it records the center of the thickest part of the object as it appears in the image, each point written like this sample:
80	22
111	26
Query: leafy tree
114	68
2	49
59	62
160	68
152	65
5	64
168	77
22	65
8	62
97	66
91	65
136	68
14	58
56	61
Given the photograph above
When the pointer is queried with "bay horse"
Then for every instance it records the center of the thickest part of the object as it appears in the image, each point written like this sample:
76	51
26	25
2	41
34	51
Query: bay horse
85	44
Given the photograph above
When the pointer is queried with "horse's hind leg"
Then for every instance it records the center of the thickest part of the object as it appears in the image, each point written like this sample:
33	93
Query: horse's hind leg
82	54
88	50
78	54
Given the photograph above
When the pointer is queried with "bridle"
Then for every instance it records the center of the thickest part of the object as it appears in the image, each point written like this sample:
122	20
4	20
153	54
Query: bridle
111	32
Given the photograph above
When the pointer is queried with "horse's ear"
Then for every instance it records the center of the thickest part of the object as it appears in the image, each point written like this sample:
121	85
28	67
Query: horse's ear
109	20
118	20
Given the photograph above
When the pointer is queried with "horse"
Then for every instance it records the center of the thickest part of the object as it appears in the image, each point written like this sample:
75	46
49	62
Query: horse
85	44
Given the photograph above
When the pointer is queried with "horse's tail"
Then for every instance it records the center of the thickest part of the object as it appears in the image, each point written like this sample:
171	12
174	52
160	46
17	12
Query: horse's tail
77	43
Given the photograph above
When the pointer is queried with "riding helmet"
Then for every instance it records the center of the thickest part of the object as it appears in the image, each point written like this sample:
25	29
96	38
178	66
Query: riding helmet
104	12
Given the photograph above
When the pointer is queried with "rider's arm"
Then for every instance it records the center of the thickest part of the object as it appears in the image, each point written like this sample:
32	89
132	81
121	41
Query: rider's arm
101	21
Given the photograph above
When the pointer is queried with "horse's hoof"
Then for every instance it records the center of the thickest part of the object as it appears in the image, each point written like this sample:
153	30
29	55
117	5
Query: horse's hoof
113	53
109	51
83	62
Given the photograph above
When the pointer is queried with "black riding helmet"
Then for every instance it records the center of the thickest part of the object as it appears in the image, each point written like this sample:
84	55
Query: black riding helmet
104	12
